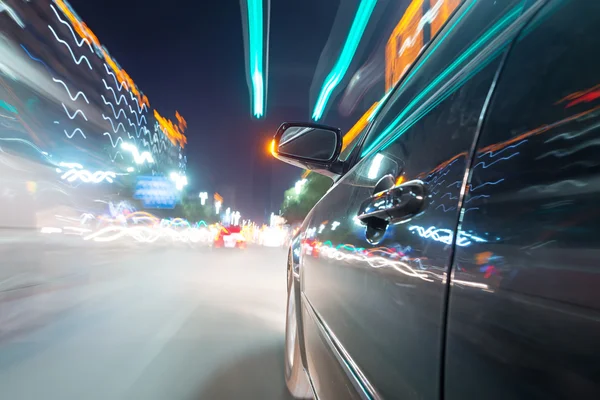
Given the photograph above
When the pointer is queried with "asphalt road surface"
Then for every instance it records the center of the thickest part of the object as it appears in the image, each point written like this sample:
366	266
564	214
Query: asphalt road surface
99	321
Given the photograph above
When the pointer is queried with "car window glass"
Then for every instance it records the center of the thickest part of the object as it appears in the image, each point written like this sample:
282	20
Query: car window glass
453	47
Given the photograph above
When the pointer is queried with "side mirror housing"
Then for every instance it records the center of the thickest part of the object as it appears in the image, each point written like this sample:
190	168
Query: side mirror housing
309	146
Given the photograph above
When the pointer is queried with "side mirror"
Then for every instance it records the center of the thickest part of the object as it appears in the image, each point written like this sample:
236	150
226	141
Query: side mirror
309	146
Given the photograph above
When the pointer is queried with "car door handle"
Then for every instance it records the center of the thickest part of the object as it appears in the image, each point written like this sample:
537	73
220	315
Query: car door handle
393	205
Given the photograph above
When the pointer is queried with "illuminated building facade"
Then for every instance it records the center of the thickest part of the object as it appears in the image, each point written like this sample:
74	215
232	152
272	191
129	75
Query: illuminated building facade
72	121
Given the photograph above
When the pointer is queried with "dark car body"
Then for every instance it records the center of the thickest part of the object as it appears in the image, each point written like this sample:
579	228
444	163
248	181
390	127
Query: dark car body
489	288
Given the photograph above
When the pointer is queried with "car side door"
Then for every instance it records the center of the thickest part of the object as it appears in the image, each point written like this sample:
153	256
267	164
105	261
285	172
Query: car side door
374	291
524	308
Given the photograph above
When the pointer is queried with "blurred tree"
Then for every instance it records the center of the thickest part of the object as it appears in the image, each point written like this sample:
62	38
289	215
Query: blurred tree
297	203
194	211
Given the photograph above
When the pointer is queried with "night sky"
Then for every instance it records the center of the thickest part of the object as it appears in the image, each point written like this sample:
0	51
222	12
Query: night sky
188	55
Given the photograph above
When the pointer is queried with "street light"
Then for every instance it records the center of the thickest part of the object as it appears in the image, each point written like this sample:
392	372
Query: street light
235	217
203	197
180	180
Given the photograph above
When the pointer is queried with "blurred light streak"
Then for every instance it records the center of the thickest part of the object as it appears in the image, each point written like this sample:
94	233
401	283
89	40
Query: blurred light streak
119	85
80	93
445	235
272	148
116	142
37	59
62	21
74	132
410	32
146	234
173	132
112	124
88	177
256	55
77	61
138	157
359	126
121	98
363	80
114	157
485	166
363	14
70	165
72	117
108	103
8	107
137	117
582	96
86	34
475	46
469	283
377	106
473	188
11	13
377	262
137	134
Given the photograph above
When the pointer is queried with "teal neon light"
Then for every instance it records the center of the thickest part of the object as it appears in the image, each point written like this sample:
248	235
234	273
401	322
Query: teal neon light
8	107
363	14
501	24
255	38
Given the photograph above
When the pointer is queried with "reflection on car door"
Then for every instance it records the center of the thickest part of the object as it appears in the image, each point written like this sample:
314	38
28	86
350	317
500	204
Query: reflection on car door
524	309
380	302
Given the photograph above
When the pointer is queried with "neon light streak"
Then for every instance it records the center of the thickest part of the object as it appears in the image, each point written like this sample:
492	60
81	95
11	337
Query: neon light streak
11	13
138	157
87	176
77	61
255	37
363	14
80	93
78	43
72	117
8	107
74	132
490	34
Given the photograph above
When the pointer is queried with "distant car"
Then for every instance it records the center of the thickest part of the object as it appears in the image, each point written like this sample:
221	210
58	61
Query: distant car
273	236
230	237
457	254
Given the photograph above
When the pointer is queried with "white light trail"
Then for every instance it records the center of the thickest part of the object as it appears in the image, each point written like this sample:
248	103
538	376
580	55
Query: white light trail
138	157
73	133
79	93
77	61
79	44
11	13
72	117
